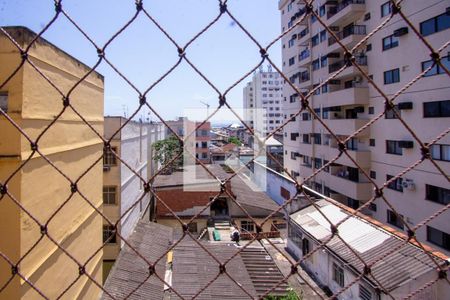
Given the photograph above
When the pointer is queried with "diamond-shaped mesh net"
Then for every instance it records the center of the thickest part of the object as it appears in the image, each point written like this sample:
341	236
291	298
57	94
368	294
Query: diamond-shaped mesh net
223	263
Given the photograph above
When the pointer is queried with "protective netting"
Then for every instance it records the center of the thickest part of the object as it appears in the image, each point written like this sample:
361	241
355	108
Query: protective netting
183	52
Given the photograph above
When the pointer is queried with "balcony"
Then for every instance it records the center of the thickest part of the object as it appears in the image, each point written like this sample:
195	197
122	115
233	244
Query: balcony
351	69
361	157
303	36
353	95
304	58
349	188
349	37
346	12
347	126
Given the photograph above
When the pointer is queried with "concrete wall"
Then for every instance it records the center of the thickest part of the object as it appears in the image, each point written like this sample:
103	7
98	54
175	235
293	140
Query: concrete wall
40	189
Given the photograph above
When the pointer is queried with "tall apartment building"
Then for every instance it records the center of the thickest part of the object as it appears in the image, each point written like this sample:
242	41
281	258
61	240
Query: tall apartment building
393	56
263	100
32	103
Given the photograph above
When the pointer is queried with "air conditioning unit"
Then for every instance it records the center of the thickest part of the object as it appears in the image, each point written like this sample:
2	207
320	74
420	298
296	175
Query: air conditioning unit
401	31
405	105
408	184
406	144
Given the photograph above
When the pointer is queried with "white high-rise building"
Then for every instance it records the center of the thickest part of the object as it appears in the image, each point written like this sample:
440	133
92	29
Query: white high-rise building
263	99
393	56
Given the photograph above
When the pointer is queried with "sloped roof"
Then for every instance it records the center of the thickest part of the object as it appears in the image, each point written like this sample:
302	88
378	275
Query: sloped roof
245	191
369	241
192	268
151	240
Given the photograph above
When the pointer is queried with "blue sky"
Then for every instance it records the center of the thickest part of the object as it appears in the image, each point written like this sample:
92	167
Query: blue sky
143	53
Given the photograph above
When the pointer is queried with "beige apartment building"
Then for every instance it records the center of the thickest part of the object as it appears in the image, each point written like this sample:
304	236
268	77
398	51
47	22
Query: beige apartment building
393	56
32	103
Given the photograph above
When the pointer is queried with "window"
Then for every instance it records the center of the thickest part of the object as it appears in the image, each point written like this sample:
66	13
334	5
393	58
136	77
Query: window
291	43
439	238
369	47
204	155
295	234
352	203
316	64
338	274
285	193
317	138
323	35
373	206
435	24
390	42
372	142
364	293
323	61
373	175
440	152
305	246
248	226
436	109
371	110
317	163
390	114
4	101
292	60
289	8
392	76
395	220
436	69
367	17
109	234
437	194
322	11
386	9
109	194
393	147
109	159
204	145
192	227
395	185
306	139
315	40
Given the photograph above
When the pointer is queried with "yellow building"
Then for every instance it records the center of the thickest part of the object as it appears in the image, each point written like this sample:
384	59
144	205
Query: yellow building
73	147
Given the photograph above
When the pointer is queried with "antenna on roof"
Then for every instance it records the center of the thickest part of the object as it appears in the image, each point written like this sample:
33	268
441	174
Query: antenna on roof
207	108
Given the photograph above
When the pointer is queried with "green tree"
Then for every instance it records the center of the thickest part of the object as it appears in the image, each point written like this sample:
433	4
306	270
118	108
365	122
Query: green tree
165	150
234	140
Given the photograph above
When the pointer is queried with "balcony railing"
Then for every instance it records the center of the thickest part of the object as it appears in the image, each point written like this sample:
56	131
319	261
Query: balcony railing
351	30
304	55
360	60
335	9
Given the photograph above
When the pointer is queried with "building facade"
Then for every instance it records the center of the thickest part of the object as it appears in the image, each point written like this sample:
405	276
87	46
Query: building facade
123	191
334	267
263	100
32	103
199	142
347	102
